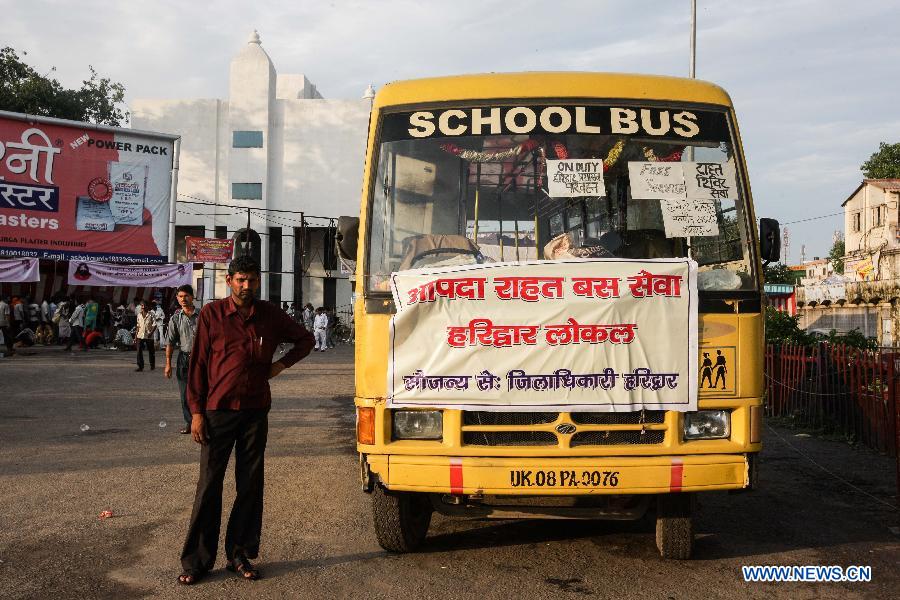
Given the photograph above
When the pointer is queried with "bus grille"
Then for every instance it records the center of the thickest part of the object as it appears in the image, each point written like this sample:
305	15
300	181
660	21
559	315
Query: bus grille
625	418
509	438
617	438
624	429
473	417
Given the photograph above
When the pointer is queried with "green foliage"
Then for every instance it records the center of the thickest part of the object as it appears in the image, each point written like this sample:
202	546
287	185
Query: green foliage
779	273
883	164
782	328
853	338
836	256
24	90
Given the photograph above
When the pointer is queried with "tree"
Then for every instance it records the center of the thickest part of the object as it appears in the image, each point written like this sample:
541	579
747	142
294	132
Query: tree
883	164
24	90
836	256
779	273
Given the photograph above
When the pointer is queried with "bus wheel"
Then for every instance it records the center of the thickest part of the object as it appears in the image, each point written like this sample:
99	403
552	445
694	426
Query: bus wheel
675	526
401	519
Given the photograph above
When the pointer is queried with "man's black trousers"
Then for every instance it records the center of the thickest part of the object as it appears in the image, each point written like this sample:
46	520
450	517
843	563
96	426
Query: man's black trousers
151	350
245	431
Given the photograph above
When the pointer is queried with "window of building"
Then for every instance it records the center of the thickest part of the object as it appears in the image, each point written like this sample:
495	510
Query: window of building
856	221
877	216
246	191
247	139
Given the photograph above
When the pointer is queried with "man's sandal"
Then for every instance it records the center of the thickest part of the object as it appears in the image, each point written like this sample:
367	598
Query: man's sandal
191	577
242	567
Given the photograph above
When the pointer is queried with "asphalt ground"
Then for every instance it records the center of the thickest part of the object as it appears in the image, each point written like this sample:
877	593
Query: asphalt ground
318	541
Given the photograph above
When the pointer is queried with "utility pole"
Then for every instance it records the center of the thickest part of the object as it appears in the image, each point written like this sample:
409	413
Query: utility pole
693	39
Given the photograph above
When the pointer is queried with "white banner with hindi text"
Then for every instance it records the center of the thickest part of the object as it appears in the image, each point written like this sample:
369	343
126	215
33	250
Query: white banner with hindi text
605	335
98	273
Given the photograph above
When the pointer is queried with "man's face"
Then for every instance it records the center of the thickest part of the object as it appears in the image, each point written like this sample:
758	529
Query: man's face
143	309
243	285
185	300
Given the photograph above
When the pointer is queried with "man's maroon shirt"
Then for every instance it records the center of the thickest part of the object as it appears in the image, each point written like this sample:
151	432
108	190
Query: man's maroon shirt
232	356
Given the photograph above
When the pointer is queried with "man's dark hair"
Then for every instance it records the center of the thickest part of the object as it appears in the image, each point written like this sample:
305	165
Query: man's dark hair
243	264
187	289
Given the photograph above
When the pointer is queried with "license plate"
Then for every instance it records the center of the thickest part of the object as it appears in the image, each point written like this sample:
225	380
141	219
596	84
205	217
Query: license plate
562	478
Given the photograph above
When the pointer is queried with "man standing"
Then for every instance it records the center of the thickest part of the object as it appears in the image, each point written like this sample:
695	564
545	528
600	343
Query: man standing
159	337
229	398
320	328
146	325
181	335
5	326
76	321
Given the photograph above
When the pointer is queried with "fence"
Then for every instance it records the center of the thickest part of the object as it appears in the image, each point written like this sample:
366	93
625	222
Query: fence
838	389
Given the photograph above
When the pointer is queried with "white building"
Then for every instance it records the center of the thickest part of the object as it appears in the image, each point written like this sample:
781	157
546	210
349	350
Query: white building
277	148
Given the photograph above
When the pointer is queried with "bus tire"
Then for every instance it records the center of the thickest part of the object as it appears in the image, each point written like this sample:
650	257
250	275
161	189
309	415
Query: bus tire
675	526
401	519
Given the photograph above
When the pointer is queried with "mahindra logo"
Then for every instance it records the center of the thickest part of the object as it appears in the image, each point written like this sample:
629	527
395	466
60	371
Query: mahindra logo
565	428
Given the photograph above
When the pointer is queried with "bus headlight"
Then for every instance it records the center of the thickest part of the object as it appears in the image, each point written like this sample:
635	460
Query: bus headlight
418	425
707	425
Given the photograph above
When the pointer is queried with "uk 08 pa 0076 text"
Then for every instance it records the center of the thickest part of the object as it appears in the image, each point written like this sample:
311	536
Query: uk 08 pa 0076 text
562	478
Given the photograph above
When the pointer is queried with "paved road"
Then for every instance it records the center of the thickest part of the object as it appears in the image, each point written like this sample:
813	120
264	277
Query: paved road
318	539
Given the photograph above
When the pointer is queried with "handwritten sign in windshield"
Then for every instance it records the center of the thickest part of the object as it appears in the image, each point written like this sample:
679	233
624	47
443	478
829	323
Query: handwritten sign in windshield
689	218
571	178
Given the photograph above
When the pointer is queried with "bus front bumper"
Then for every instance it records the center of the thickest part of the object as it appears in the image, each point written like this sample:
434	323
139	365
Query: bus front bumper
560	476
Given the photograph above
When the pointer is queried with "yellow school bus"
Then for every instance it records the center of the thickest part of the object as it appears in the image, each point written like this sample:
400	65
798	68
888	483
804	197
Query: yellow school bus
456	173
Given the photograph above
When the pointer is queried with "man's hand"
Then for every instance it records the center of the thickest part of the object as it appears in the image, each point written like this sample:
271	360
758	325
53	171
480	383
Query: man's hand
276	368
168	371
198	429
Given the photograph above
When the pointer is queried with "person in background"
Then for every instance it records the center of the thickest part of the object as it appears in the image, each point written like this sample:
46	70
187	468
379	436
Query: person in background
320	329
93	339
294	313
308	316
124	340
77	323
46	312
159	315
91	309
32	314
18	314
104	322
63	325
146	326
5	325
180	336
54	322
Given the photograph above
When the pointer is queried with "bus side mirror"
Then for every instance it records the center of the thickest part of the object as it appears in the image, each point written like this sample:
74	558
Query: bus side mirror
769	240
347	237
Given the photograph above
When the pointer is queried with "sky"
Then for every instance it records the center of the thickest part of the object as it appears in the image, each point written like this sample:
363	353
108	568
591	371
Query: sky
815	83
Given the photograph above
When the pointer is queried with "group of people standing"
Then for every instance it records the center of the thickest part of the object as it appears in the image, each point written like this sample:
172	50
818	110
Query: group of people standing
321	322
24	322
83	321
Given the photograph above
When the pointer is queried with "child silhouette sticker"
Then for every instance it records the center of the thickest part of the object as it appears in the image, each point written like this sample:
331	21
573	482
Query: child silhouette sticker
717	369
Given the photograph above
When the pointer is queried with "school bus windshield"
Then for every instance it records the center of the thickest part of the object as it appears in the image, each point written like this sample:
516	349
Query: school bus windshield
455	199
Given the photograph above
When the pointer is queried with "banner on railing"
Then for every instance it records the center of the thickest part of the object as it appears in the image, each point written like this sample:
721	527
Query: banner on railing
98	273
604	335
19	270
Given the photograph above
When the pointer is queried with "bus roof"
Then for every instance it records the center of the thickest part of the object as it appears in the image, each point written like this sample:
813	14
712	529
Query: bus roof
550	85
